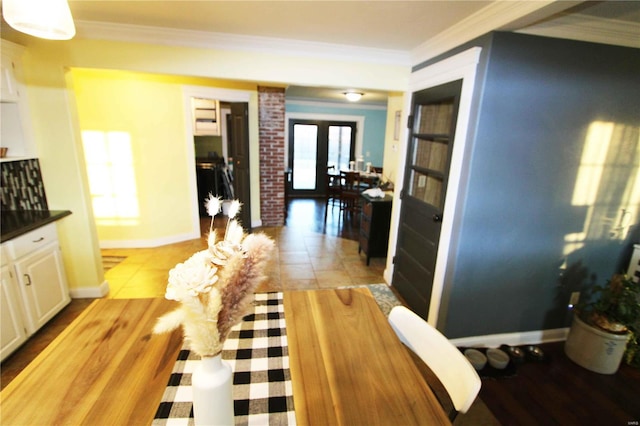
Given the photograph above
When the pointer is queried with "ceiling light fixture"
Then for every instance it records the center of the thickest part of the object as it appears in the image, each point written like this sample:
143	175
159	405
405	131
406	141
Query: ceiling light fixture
353	96
50	19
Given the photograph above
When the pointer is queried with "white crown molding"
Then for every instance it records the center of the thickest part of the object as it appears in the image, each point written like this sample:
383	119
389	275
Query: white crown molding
223	41
329	104
589	28
496	15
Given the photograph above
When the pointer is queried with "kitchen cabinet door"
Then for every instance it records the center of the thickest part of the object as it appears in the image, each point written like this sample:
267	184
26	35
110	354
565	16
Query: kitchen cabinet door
8	83
13	333
43	285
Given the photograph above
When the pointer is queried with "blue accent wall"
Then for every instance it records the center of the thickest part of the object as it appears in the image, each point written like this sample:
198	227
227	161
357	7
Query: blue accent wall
537	99
375	123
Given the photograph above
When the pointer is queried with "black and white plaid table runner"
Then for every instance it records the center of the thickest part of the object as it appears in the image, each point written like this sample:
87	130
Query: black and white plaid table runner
258	353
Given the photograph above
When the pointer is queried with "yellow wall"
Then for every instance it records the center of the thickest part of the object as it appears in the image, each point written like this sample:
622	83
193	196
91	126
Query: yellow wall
150	109
57	123
56	139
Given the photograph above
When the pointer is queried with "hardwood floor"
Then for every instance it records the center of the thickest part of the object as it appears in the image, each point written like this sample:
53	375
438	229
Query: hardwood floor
560	392
312	254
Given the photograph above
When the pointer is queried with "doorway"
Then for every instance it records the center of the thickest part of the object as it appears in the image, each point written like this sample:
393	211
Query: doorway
431	135
314	146
225	177
238	140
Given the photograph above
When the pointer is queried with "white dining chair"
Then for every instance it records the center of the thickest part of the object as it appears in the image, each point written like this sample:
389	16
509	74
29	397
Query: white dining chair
450	366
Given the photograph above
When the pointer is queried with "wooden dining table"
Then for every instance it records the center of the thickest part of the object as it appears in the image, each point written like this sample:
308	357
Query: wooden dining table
347	366
105	368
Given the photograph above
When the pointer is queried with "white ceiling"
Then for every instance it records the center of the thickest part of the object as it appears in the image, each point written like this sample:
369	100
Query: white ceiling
382	24
389	27
397	25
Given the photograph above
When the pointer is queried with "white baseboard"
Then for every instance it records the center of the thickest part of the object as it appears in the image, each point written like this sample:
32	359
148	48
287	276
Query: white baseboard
109	244
90	292
387	275
514	339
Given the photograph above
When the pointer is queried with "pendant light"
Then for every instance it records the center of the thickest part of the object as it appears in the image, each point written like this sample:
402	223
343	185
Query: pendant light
50	19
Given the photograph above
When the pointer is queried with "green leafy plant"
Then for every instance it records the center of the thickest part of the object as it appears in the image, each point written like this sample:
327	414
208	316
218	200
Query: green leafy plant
615	308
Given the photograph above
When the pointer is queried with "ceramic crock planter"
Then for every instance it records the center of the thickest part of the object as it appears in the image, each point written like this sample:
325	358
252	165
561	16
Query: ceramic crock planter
604	324
595	349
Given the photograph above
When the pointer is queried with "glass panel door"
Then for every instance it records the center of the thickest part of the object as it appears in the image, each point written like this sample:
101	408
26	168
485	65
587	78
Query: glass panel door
426	173
339	147
315	145
305	148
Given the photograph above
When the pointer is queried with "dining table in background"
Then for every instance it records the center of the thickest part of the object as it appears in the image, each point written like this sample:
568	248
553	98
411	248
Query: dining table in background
367	179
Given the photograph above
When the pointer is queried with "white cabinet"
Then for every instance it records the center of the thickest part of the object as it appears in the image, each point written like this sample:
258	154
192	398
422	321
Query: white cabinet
8	83
34	285
15	131
43	285
13	329
206	117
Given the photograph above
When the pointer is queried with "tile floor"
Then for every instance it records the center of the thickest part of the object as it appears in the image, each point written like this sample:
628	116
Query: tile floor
305	258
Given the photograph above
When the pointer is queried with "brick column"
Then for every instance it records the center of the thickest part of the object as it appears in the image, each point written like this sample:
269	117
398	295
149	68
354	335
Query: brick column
272	150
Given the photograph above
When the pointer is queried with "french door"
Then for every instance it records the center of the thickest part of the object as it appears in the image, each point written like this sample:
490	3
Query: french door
431	135
315	145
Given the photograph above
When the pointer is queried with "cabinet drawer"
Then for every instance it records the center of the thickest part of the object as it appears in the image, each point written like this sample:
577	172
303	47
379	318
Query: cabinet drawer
367	209
364	244
365	225
32	241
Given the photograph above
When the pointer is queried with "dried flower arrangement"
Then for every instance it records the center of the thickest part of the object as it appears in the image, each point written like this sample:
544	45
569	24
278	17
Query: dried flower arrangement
215	286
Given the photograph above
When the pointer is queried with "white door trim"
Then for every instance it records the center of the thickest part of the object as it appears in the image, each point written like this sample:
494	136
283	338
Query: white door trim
460	66
358	119
188	92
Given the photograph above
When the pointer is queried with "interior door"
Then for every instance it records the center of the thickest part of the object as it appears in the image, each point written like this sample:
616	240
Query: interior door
313	146
238	134
431	134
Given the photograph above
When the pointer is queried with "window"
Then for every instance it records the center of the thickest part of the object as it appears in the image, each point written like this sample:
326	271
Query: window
111	177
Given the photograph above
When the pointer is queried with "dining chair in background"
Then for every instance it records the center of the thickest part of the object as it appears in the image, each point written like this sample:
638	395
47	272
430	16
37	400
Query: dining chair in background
350	191
332	187
449	365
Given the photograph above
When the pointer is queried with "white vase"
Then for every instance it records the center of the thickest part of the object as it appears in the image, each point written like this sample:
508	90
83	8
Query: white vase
212	397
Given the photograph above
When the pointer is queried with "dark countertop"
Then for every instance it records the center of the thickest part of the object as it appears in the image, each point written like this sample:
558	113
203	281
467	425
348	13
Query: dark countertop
14	223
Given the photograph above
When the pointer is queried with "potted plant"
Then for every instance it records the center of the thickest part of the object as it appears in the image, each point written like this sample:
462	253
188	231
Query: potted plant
605	325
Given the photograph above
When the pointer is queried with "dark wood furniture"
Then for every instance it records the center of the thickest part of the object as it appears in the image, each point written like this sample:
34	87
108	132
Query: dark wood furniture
374	226
332	187
350	191
288	185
